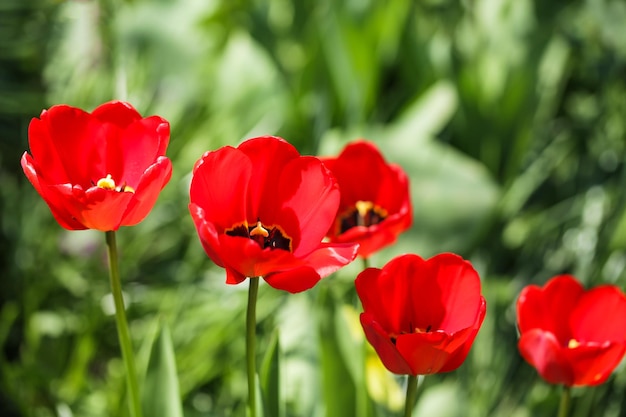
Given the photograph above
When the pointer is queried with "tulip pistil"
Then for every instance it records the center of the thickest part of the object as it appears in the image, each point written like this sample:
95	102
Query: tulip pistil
272	237
108	183
363	213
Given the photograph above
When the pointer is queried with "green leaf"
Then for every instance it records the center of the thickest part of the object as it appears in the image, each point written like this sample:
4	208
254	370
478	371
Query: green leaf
161	396
270	377
339	391
260	410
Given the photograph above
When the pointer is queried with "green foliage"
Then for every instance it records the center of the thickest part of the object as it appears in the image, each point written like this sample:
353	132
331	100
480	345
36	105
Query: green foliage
270	378
508	116
160	395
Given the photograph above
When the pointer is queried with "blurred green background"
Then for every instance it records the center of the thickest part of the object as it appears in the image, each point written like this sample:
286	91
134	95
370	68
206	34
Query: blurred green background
508	115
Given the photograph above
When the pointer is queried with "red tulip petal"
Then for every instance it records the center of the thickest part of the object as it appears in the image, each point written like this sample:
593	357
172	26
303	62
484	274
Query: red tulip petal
383	293
427	353
549	308
367	286
310	198
219	185
457	358
119	113
246	256
358	168
371	239
386	350
364	175
393	192
458	285
140	144
207	233
63	137
600	316
152	182
330	257
234	277
268	156
593	364
54	200
543	351
103	209
294	280
431	284
43	148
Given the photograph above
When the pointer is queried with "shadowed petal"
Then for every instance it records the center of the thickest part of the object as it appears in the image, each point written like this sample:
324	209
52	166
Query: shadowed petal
294	280
549	308
54	200
152	182
542	350
219	185
268	156
308	190
104	209
386	350
207	233
593	364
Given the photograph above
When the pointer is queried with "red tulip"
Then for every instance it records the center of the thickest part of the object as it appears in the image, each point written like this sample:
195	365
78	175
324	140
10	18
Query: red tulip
421	316
572	336
261	210
98	170
375	204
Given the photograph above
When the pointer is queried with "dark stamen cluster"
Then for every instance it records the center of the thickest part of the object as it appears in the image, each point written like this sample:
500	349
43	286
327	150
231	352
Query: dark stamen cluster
271	237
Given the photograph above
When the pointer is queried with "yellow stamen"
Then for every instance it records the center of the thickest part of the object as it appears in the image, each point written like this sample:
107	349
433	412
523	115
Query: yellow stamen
426	330
259	230
107	183
573	344
363	207
125	189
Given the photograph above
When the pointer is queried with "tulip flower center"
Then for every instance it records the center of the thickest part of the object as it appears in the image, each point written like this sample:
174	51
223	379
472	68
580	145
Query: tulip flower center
364	213
573	344
109	184
394	336
272	237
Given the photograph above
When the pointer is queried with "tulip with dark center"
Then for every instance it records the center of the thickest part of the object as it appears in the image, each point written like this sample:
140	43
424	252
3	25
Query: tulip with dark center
262	210
375	204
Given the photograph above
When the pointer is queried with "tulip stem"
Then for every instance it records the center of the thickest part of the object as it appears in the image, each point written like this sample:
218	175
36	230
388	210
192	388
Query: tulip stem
366	263
566	396
122	327
411	395
251	344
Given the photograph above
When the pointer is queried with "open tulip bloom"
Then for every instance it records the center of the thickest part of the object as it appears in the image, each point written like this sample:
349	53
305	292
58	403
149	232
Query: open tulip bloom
421	316
572	336
98	170
262	210
375	203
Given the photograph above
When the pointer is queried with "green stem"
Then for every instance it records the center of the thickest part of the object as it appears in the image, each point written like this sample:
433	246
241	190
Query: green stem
251	344
366	263
566	396
411	395
122	327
